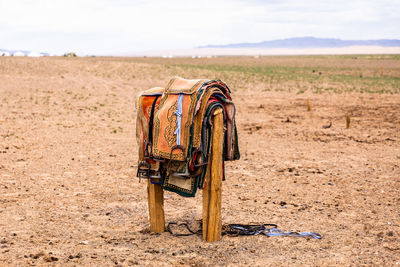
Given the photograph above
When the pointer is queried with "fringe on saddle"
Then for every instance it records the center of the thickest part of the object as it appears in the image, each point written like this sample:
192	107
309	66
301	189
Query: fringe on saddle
173	131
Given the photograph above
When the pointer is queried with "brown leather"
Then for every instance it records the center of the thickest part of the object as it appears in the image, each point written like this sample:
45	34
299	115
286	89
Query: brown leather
143	106
199	97
165	120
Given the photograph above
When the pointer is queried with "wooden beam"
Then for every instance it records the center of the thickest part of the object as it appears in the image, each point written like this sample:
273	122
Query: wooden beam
212	223
155	195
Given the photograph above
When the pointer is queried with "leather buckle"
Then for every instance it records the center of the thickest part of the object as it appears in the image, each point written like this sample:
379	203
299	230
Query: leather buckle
147	154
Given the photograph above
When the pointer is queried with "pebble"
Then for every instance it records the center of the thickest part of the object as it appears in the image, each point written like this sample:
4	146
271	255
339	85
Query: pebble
50	258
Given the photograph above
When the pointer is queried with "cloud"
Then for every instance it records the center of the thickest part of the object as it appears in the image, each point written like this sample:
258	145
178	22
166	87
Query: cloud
104	27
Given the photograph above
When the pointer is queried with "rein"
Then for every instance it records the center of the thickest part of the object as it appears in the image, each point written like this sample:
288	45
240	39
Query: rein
267	229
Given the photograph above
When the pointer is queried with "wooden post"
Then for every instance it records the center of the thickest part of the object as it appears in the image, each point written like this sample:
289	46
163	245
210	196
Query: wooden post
308	105
347	121
155	197
212	223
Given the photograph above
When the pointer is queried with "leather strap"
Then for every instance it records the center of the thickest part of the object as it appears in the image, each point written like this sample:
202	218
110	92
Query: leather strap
150	135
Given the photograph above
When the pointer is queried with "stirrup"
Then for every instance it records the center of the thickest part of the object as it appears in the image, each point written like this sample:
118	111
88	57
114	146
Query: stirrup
202	156
186	174
157	176
159	159
143	172
175	147
170	155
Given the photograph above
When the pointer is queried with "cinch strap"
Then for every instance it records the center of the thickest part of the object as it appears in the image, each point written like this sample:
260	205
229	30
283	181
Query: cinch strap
178	114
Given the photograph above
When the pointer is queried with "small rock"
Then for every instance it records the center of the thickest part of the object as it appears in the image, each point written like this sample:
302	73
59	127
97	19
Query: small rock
50	259
37	255
79	255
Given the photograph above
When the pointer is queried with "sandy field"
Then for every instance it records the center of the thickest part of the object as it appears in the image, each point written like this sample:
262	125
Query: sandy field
69	195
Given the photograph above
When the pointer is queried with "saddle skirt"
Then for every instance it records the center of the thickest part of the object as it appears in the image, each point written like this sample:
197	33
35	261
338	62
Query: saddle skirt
173	130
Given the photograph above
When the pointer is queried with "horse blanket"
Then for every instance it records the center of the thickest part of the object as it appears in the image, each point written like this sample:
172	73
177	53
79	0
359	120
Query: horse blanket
173	131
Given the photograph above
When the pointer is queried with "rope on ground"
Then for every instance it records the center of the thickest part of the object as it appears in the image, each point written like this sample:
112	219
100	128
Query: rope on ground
267	229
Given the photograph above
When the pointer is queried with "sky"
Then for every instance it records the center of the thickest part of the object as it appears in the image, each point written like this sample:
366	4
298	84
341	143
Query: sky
121	27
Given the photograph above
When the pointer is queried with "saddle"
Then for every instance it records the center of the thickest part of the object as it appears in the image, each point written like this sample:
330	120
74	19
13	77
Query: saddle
173	131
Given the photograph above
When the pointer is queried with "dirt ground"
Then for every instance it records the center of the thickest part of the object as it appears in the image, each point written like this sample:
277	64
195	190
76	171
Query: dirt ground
69	195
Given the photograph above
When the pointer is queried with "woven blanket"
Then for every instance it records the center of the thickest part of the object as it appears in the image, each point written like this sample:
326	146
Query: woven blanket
173	130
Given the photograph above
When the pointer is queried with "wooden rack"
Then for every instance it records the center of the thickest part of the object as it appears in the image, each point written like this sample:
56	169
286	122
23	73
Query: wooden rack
212	223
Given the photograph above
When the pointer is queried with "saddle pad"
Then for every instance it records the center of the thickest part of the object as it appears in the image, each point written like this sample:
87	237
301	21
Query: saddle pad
173	120
144	105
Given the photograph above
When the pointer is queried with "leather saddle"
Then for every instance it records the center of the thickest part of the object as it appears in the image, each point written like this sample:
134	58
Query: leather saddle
173	131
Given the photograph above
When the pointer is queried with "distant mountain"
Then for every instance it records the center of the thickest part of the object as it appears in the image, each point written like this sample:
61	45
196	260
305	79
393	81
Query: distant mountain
23	52
13	51
310	42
